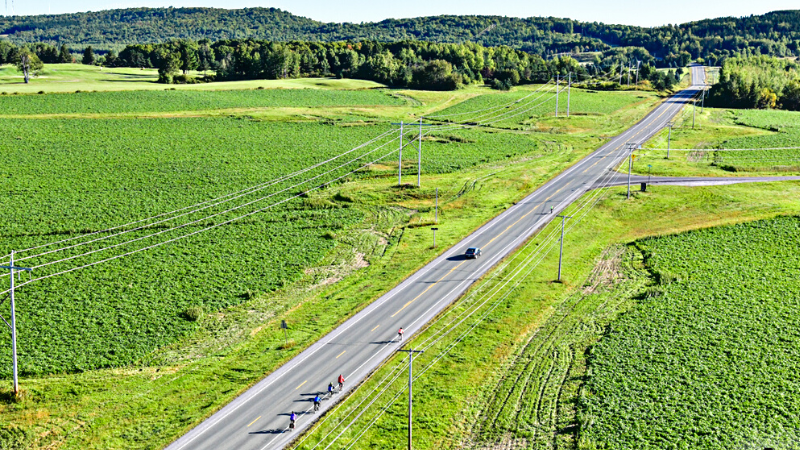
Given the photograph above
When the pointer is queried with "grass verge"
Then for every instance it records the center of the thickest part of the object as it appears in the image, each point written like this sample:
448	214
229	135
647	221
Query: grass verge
465	399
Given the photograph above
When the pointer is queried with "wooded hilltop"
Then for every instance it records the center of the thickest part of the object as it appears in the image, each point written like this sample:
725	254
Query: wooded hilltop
773	34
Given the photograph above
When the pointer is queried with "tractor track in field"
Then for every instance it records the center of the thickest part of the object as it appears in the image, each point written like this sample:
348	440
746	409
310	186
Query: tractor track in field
530	371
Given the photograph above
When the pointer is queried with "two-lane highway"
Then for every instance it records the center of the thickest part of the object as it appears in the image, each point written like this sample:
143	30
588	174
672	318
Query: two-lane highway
258	419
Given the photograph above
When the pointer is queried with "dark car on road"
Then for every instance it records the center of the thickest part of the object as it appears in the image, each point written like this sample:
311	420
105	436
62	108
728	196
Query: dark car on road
473	252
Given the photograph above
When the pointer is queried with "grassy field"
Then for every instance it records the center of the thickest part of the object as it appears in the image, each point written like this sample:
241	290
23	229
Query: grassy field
698	151
708	359
538	102
348	243
509	375
73	77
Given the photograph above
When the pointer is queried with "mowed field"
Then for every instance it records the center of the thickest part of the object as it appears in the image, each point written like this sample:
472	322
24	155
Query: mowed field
726	143
263	217
79	77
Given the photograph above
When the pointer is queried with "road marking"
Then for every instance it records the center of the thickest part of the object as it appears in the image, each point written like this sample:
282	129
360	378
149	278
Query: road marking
248	425
216	418
376	327
427	289
301	385
340	354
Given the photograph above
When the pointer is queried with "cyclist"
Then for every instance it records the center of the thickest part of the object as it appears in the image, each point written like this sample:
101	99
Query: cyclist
400	333
341	382
330	389
292	419
317	400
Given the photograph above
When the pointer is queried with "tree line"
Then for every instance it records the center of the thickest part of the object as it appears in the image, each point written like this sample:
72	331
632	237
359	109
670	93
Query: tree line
757	82
712	40
412	64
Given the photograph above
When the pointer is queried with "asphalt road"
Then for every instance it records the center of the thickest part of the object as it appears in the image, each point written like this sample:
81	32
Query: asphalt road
258	419
636	181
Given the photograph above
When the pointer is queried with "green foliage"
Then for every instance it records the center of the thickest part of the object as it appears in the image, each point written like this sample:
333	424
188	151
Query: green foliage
712	362
75	176
420	65
28	63
757	82
64	56
195	313
164	101
776	33
88	56
14	438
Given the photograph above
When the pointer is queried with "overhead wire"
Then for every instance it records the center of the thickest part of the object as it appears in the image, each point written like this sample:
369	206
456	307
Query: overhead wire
590	201
222	199
206	218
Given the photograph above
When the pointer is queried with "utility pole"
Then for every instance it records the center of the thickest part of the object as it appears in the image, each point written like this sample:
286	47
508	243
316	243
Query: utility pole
703	104
569	91
400	159
558	85
631	146
629	74
694	111
410	391
561	252
669	136
436	210
434	236
620	74
638	64
11	268
419	154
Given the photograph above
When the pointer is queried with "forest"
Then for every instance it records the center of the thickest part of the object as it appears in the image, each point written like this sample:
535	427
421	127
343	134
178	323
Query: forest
773	34
414	64
757	82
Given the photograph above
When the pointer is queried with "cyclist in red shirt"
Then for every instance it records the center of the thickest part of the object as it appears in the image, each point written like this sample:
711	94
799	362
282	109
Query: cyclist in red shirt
341	382
400	333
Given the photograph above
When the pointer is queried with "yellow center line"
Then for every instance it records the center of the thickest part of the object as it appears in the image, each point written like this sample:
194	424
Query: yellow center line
248	425
427	289
501	233
301	385
376	327
340	354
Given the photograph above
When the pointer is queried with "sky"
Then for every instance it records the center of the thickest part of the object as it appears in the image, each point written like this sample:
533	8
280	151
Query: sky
629	12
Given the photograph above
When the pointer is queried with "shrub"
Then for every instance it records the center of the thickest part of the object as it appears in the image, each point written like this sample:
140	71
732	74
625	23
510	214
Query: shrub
193	313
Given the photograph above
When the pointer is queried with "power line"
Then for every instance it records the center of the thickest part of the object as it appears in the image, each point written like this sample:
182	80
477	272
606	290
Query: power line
197	231
227	197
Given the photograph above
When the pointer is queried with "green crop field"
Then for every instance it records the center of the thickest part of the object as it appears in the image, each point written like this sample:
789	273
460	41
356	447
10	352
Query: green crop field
84	175
516	379
710	357
538	104
313	260
168	101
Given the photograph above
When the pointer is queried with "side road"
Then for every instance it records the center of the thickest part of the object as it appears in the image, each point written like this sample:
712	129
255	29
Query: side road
259	418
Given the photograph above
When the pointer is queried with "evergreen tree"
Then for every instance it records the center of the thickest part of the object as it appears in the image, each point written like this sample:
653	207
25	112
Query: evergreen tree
88	56
64	56
111	59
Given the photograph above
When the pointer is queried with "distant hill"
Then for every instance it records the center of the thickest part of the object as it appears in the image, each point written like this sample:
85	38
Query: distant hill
776	33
